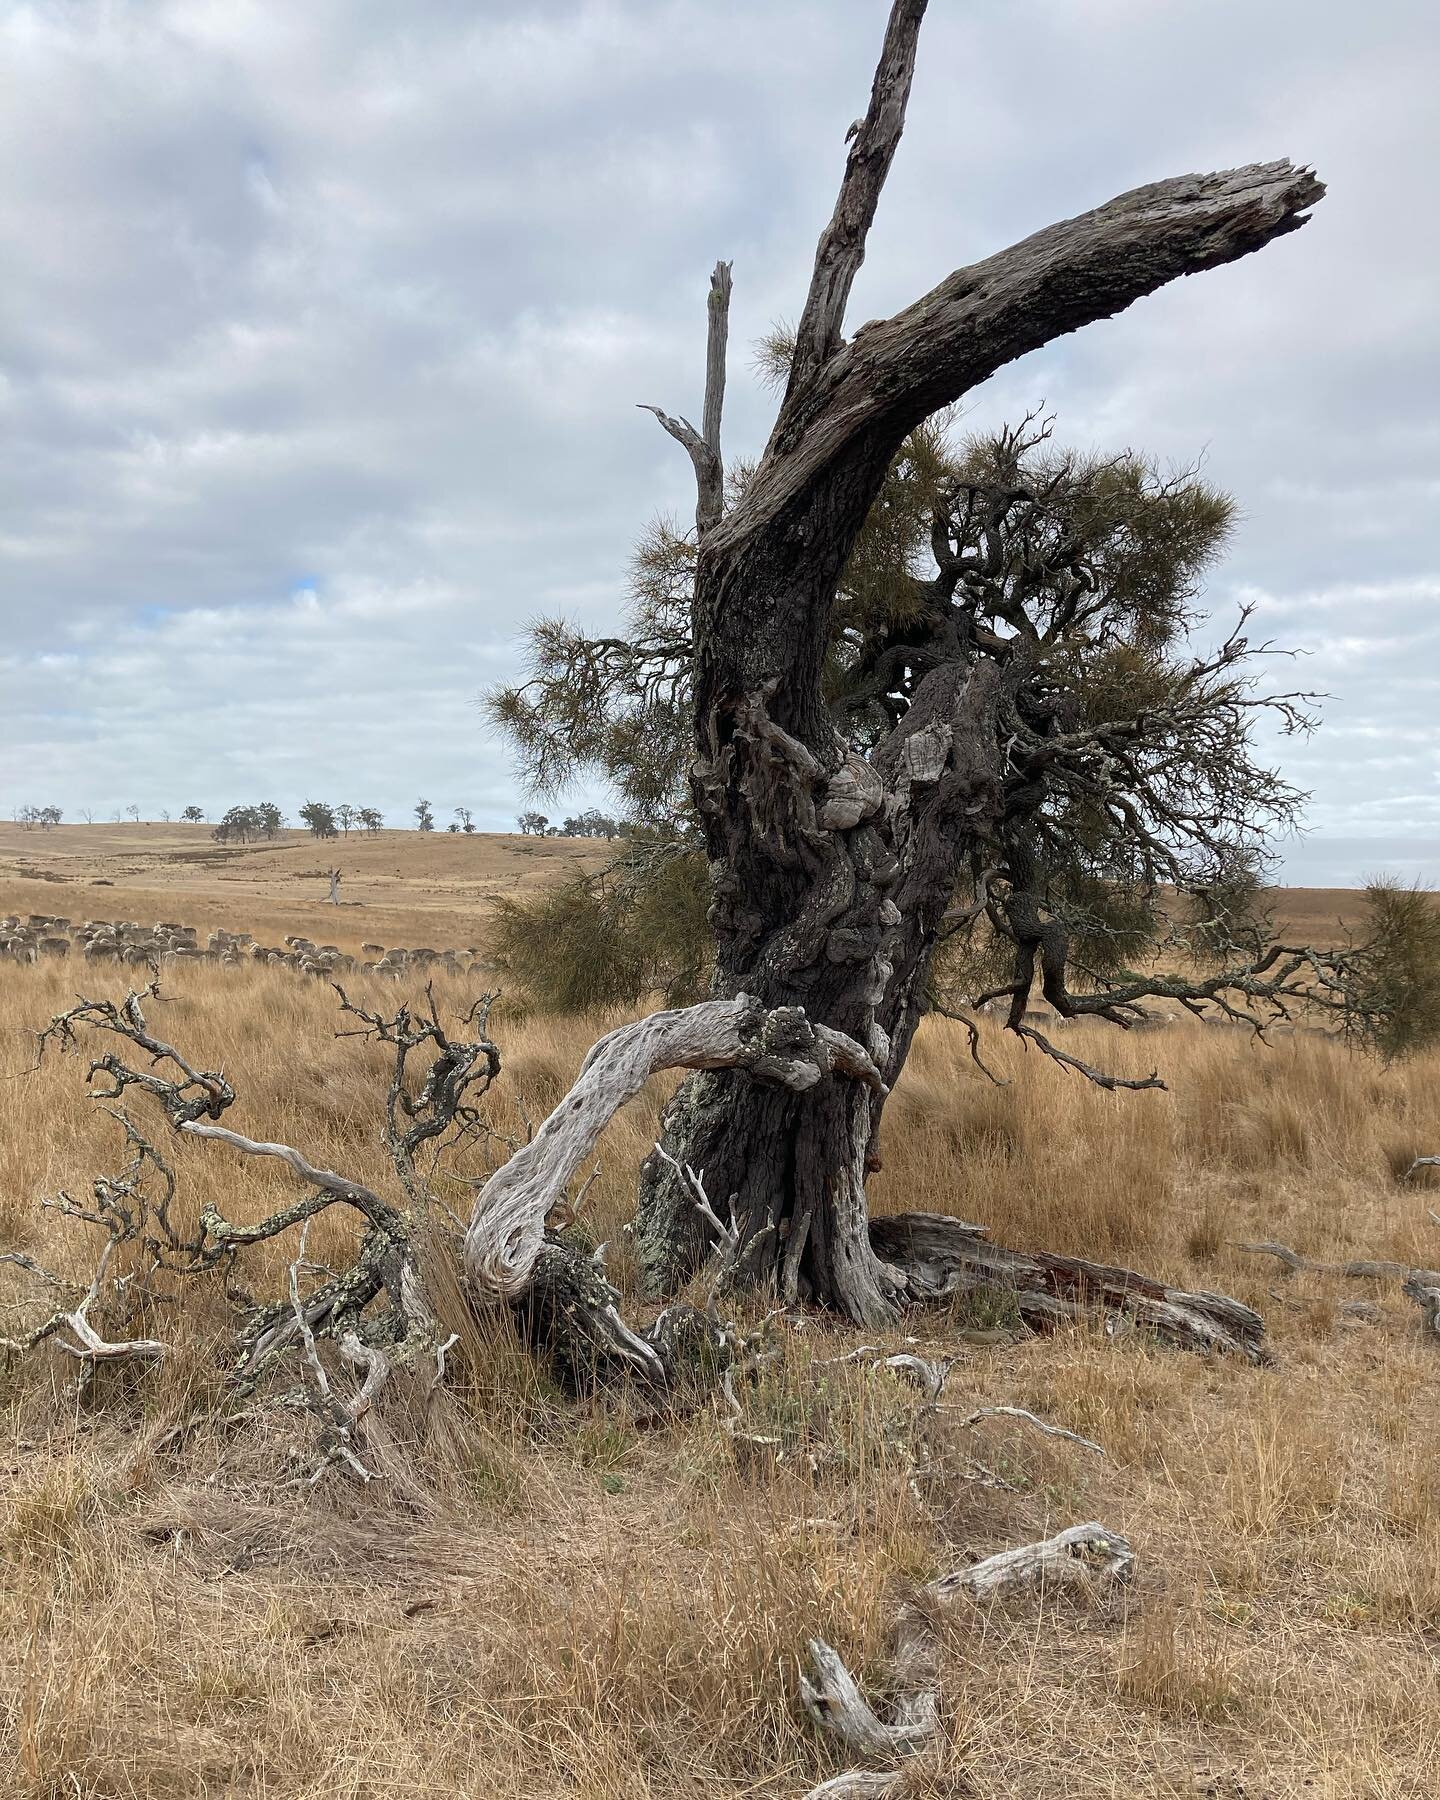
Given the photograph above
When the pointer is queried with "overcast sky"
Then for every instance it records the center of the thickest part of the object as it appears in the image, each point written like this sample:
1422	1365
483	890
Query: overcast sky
322	329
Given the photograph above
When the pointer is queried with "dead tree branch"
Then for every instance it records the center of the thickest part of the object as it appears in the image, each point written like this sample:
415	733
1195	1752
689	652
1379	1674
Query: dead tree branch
943	1258
1019	1412
1084	1557
376	1309
703	446
1420	1285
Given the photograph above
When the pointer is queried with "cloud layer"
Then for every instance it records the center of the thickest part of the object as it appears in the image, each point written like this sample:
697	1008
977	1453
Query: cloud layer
322	330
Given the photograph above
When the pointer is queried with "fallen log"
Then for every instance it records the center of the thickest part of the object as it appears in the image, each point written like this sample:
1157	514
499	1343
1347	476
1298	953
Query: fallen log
1087	1557
943	1258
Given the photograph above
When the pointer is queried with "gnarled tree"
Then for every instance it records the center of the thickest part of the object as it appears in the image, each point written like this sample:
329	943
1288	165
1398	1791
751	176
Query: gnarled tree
869	778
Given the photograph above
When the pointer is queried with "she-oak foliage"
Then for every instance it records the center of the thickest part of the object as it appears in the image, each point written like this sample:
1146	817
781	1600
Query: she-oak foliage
1140	539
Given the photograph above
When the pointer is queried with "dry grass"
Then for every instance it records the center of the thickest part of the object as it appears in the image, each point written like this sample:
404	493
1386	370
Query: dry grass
571	1599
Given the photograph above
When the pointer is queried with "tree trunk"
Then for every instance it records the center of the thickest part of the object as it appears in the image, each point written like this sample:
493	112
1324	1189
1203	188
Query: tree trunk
791	1168
879	847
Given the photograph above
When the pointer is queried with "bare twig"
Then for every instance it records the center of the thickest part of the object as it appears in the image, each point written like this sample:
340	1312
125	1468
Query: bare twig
1019	1412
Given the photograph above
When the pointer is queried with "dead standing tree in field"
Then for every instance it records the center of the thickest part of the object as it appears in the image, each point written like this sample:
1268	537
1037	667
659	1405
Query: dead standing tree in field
834	861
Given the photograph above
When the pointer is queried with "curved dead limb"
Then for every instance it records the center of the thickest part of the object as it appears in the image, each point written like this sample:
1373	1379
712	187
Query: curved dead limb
507	1226
942	1258
1086	1557
1420	1285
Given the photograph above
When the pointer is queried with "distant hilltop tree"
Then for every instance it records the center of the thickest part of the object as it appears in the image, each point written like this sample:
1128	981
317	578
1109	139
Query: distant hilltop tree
591	823
345	817
239	825
370	819
320	819
192	815
424	816
532	823
43	816
465	822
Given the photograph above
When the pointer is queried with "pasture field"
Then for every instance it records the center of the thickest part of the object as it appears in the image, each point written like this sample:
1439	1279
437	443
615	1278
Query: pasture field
397	887
587	1598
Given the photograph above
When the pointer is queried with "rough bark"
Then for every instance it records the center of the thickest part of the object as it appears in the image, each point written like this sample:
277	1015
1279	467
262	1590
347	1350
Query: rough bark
507	1226
831	871
944	1258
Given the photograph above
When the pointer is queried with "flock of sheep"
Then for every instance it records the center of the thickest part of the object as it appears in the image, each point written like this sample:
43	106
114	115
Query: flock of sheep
41	935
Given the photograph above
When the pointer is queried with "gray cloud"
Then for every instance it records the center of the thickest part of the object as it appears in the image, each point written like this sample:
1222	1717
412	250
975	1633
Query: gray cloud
322	331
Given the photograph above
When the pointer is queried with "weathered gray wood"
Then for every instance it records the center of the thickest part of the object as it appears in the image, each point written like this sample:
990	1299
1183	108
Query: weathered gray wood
1086	1556
703	446
507	1225
1077	1557
942	1257
1420	1285
873	141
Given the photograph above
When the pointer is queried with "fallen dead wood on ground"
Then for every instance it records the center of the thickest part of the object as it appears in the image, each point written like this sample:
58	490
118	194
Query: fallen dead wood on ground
1420	1285
944	1258
1083	1557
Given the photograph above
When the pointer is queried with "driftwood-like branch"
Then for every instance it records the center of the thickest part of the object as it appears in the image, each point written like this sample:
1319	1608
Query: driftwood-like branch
1420	1285
1089	1557
1074	1558
942	1258
338	1417
84	1343
1019	1412
507	1226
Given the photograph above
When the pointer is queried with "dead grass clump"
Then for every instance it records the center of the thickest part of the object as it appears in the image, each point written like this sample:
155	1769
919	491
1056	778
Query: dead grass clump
1176	1664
